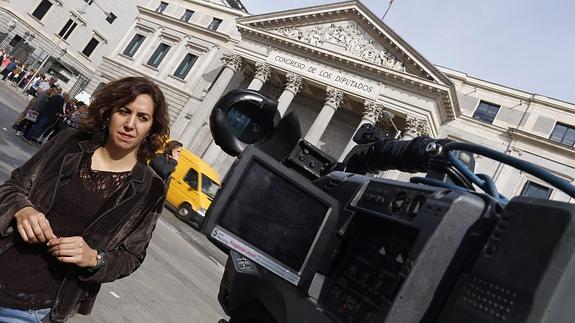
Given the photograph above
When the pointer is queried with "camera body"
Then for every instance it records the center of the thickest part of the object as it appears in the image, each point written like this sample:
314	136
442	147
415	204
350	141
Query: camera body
308	243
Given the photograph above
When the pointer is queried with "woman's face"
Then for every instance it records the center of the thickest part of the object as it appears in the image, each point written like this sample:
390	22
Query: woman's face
129	125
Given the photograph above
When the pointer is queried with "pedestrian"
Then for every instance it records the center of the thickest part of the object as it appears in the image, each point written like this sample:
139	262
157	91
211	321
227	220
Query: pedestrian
46	84
48	114
77	116
24	122
5	61
164	164
9	68
81	211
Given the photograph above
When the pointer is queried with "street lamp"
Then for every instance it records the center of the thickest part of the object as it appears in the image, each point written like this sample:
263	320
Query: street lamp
81	12
11	27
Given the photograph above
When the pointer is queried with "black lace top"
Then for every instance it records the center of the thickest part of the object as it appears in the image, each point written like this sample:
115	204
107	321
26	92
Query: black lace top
29	275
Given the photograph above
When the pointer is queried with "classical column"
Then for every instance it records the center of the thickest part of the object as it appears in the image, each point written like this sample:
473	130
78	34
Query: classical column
213	152
333	100
293	85
233	63
414	127
261	76
371	113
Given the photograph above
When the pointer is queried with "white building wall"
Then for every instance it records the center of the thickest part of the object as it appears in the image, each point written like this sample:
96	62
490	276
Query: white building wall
533	115
92	23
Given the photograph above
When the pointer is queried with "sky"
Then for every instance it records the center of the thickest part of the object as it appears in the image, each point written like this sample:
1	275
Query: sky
523	44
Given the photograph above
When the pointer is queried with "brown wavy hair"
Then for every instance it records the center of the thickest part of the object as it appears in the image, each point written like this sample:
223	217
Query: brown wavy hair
171	146
122	92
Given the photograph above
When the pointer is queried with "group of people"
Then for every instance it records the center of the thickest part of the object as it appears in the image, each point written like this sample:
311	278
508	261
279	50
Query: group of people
49	112
82	210
14	71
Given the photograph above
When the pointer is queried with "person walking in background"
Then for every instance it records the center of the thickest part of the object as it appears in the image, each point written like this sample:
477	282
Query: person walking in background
164	164
82	210
48	114
5	61
78	115
9	68
23	123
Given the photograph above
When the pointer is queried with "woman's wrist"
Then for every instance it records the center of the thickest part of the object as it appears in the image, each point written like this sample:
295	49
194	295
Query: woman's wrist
99	262
94	259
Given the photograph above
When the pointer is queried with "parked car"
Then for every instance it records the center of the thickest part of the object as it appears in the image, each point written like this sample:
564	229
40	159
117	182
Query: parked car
193	185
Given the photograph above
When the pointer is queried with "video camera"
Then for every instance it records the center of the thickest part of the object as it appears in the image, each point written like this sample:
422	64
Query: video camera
314	240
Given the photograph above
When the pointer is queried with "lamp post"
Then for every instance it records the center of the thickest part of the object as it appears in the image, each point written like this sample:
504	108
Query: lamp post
81	12
11	27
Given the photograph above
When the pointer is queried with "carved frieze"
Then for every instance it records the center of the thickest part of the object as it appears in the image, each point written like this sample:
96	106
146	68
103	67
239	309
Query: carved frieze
233	61
346	37
333	97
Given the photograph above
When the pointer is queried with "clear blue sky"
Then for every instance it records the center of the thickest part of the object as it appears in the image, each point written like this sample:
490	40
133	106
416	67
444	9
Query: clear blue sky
524	44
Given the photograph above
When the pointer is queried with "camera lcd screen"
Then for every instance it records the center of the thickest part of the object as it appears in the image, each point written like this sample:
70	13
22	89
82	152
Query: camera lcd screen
274	215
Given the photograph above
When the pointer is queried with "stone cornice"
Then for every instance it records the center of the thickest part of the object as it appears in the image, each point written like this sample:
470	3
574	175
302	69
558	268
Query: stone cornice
444	94
546	143
187	26
219	7
361	14
507	91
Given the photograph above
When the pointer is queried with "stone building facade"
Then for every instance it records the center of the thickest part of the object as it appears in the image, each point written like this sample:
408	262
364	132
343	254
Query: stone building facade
339	66
34	27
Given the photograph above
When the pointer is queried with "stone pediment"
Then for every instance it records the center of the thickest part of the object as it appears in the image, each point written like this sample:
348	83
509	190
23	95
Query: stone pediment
346	29
345	37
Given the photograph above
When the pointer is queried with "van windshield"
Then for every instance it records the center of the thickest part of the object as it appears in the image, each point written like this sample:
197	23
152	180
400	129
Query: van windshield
209	187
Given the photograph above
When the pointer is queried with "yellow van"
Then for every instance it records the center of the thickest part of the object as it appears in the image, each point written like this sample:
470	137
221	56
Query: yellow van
193	185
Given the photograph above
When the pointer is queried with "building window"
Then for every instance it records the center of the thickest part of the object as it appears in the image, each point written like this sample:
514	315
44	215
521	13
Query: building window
111	17
187	15
215	24
185	66
563	134
68	29
163	5
92	44
16	40
134	44
486	112
535	190
158	55
42	9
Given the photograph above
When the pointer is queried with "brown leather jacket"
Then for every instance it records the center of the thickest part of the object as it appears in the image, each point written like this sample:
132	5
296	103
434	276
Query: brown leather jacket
123	226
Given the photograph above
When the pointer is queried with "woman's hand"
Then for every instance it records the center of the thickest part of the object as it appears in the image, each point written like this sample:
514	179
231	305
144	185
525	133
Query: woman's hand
73	250
33	226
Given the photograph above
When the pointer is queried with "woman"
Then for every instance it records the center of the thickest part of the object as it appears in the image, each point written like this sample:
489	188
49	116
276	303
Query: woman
77	116
22	124
82	210
165	164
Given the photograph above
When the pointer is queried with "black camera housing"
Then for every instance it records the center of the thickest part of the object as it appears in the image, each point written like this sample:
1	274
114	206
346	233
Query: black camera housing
333	246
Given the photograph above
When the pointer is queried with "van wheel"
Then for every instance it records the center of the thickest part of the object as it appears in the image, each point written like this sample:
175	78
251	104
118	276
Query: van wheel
184	211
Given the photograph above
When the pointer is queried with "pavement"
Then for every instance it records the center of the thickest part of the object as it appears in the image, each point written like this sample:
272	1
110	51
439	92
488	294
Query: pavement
178	281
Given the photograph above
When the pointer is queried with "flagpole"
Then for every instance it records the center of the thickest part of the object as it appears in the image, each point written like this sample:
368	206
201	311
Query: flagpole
386	11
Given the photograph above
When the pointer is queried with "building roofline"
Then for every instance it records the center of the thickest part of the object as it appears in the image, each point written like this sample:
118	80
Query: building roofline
506	90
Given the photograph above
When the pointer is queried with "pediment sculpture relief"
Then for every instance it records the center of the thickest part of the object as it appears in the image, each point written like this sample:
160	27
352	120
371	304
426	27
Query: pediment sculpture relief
348	38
